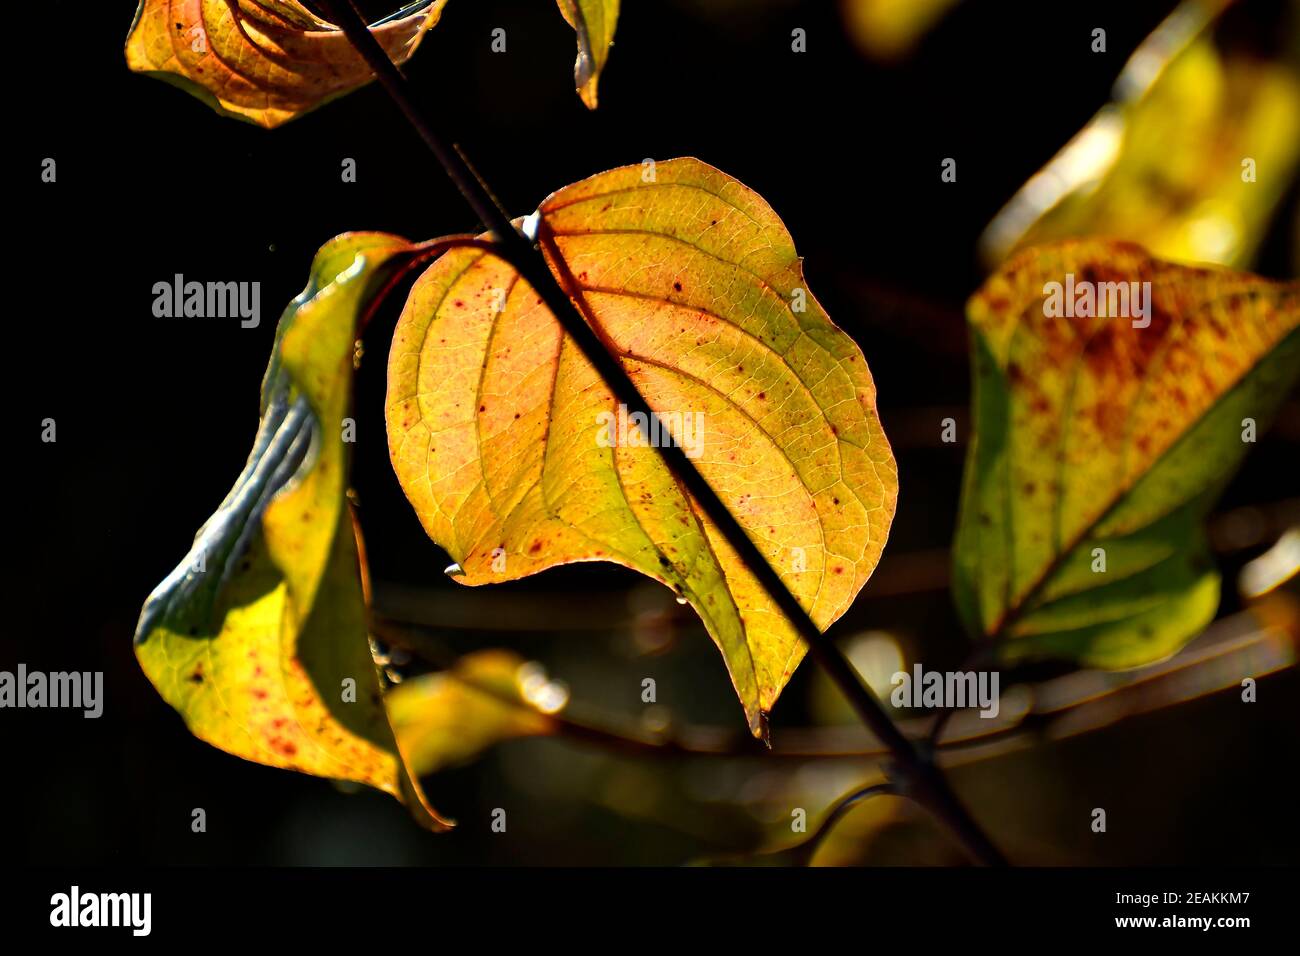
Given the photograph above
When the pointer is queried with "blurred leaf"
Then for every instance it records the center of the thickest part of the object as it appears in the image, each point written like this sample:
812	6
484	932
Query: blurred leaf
450	717
889	29
1091	433
498	427
594	22
264	61
1162	164
258	635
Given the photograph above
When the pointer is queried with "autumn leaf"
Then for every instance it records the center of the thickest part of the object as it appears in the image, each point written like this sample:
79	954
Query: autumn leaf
451	716
259	638
1101	441
516	457
594	22
264	61
1191	159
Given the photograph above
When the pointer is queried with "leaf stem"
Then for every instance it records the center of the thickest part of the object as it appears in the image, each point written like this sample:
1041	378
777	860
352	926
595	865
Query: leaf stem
914	772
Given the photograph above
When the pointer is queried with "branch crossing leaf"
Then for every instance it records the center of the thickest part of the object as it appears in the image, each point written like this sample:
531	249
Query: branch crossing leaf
516	457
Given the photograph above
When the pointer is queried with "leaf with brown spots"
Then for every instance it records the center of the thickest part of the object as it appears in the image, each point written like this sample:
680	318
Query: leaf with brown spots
264	61
594	22
516	459
259	638
1107	439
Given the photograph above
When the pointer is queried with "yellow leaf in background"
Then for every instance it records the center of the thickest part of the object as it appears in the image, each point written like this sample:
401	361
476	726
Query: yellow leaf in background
450	717
264	61
1190	160
890	29
1102	437
594	22
516	457
259	639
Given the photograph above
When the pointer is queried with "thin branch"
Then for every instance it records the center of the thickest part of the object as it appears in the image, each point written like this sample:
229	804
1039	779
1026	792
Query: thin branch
808	849
917	774
1067	706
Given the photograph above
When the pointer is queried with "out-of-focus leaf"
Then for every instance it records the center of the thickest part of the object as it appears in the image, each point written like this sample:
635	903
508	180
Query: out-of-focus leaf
1098	438
889	29
265	61
594	22
259	638
452	716
499	430
1162	164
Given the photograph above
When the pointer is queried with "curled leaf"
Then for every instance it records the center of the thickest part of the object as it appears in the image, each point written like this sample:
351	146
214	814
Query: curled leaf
264	61
1102	437
259	638
517	458
594	22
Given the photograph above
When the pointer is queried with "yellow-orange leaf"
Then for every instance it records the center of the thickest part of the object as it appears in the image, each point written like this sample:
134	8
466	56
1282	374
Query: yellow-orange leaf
265	61
517	458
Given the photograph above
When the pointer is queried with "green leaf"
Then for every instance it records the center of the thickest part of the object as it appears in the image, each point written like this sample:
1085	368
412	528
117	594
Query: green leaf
450	717
259	638
1099	440
594	22
517	458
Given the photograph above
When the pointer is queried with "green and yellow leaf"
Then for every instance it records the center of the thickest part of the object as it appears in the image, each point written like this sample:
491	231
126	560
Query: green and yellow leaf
259	638
264	61
1191	159
500	431
594	22
1100	443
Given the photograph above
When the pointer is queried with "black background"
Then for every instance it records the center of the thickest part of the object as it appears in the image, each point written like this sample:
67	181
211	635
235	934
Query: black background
155	416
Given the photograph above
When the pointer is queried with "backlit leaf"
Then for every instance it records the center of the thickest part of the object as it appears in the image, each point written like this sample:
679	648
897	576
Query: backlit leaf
594	22
1190	159
450	717
498	428
1101	439
265	61
259	638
